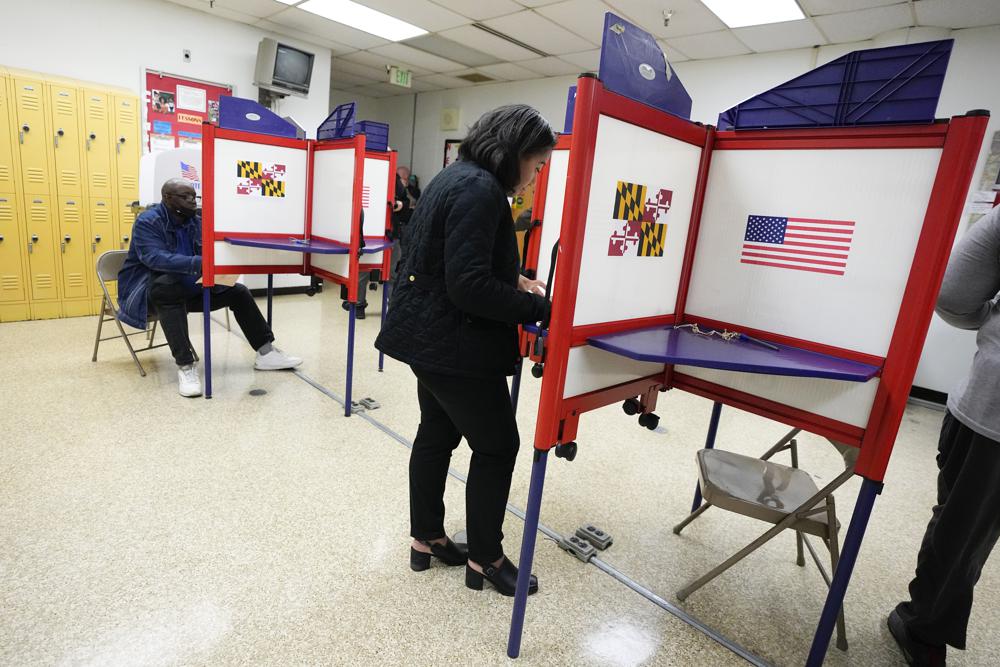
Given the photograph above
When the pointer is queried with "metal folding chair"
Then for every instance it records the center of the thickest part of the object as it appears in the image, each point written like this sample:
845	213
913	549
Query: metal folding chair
785	496
108	266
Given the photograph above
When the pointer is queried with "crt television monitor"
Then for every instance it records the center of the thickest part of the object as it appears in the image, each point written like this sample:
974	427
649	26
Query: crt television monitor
282	68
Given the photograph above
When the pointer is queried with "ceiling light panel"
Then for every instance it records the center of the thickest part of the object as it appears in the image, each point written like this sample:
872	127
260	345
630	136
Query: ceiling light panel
540	33
428	15
487	43
338	32
363	18
740	13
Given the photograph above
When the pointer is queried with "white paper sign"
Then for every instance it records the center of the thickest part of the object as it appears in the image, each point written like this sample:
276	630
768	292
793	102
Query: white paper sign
161	142
191	98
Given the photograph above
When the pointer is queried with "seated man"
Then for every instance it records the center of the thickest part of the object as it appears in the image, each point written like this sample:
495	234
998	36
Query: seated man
161	274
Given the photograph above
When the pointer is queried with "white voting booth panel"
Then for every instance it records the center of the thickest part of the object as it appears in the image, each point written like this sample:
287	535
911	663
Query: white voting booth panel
375	184
253	213
884	192
614	288
551	214
155	169
333	193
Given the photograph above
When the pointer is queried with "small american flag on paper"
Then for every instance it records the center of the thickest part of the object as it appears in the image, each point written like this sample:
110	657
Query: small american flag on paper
804	244
189	172
366	195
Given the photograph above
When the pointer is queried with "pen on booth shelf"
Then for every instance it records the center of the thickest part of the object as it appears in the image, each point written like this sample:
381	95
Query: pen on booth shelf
299	241
770	346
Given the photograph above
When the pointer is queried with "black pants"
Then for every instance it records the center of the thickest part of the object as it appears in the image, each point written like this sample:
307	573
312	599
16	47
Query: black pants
963	528
172	302
452	407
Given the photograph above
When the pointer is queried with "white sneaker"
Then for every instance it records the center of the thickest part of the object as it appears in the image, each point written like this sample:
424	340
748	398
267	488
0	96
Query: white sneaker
188	382
275	360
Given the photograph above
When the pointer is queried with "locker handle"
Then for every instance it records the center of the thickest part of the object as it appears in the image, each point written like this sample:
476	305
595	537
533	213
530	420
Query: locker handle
1	238
90	137
24	128
93	246
32	242
124	241
118	146
59	133
66	239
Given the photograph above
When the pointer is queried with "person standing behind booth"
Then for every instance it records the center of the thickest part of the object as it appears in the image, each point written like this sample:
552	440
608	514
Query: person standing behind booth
161	275
405	203
452	318
965	523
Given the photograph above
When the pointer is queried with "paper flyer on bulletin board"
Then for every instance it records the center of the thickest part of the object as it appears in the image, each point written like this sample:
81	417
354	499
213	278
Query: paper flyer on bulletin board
175	109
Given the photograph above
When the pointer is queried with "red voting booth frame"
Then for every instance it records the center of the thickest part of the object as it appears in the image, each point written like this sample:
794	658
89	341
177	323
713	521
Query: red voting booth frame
558	417
210	236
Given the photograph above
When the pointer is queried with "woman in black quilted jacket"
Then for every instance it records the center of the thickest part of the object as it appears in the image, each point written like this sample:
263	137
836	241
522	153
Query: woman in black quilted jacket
453	316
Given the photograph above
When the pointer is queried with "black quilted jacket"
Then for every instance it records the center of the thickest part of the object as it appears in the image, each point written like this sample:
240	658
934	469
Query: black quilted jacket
455	303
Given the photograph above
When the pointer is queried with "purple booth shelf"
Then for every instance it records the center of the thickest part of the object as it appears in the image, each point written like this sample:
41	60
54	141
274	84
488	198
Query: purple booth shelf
314	246
680	346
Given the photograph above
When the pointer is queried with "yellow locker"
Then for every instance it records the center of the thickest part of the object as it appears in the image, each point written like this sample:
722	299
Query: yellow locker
97	142
7	169
43	244
64	115
31	135
73	248
102	239
127	151
125	219
11	270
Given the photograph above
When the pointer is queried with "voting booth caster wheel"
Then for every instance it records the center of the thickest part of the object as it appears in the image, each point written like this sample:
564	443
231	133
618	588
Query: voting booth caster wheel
631	406
567	451
537	370
649	420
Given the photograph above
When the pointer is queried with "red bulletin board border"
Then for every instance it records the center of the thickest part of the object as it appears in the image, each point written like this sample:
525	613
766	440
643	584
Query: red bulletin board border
959	140
167	83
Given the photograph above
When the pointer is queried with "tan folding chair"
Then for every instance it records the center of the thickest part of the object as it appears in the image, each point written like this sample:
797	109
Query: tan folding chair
785	496
108	266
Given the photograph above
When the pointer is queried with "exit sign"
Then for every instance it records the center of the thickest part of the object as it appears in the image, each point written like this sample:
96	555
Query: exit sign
400	77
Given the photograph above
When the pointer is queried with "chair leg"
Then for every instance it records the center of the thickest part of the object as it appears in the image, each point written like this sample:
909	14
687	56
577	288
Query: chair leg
691	517
152	334
229	326
834	544
128	344
100	325
800	558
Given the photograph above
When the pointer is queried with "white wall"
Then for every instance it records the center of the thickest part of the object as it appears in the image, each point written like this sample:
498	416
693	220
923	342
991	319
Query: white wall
716	85
113	41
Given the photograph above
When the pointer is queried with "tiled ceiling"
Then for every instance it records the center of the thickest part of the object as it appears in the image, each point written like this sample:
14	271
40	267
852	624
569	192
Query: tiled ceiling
515	40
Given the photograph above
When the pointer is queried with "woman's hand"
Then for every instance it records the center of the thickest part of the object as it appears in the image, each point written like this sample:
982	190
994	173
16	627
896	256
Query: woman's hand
528	285
397	206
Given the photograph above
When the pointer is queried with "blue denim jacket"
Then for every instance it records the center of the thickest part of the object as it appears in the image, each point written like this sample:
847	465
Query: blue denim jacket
153	250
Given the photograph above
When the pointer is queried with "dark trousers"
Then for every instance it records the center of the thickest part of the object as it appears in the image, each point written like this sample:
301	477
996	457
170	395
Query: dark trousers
452	407
172	302
963	528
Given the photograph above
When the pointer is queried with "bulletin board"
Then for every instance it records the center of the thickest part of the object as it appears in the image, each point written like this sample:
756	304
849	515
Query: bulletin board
176	107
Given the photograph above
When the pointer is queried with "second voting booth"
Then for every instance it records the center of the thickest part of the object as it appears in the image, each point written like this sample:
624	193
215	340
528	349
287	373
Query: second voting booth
273	203
818	251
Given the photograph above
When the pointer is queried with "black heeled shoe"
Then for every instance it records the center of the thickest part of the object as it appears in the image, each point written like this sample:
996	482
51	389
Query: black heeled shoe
503	578
448	553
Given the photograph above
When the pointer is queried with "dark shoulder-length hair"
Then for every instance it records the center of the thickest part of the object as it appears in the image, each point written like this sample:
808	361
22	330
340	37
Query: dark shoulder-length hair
502	137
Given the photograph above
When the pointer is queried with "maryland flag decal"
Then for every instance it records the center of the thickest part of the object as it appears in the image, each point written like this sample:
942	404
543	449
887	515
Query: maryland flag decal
262	180
640	228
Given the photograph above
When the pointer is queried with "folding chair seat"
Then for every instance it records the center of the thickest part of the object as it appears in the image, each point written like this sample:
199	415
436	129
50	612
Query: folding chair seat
782	495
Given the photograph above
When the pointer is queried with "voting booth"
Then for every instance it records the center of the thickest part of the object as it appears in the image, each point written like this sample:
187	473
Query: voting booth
273	203
791	273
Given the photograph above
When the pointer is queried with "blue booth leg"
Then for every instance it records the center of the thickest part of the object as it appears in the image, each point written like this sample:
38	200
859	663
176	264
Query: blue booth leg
515	384
206	306
385	309
842	577
270	296
713	428
527	551
350	360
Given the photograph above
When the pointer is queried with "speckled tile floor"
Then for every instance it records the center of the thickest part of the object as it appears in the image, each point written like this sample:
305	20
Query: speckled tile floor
138	527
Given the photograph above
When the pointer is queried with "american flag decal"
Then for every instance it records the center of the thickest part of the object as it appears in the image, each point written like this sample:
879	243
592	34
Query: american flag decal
802	244
189	172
